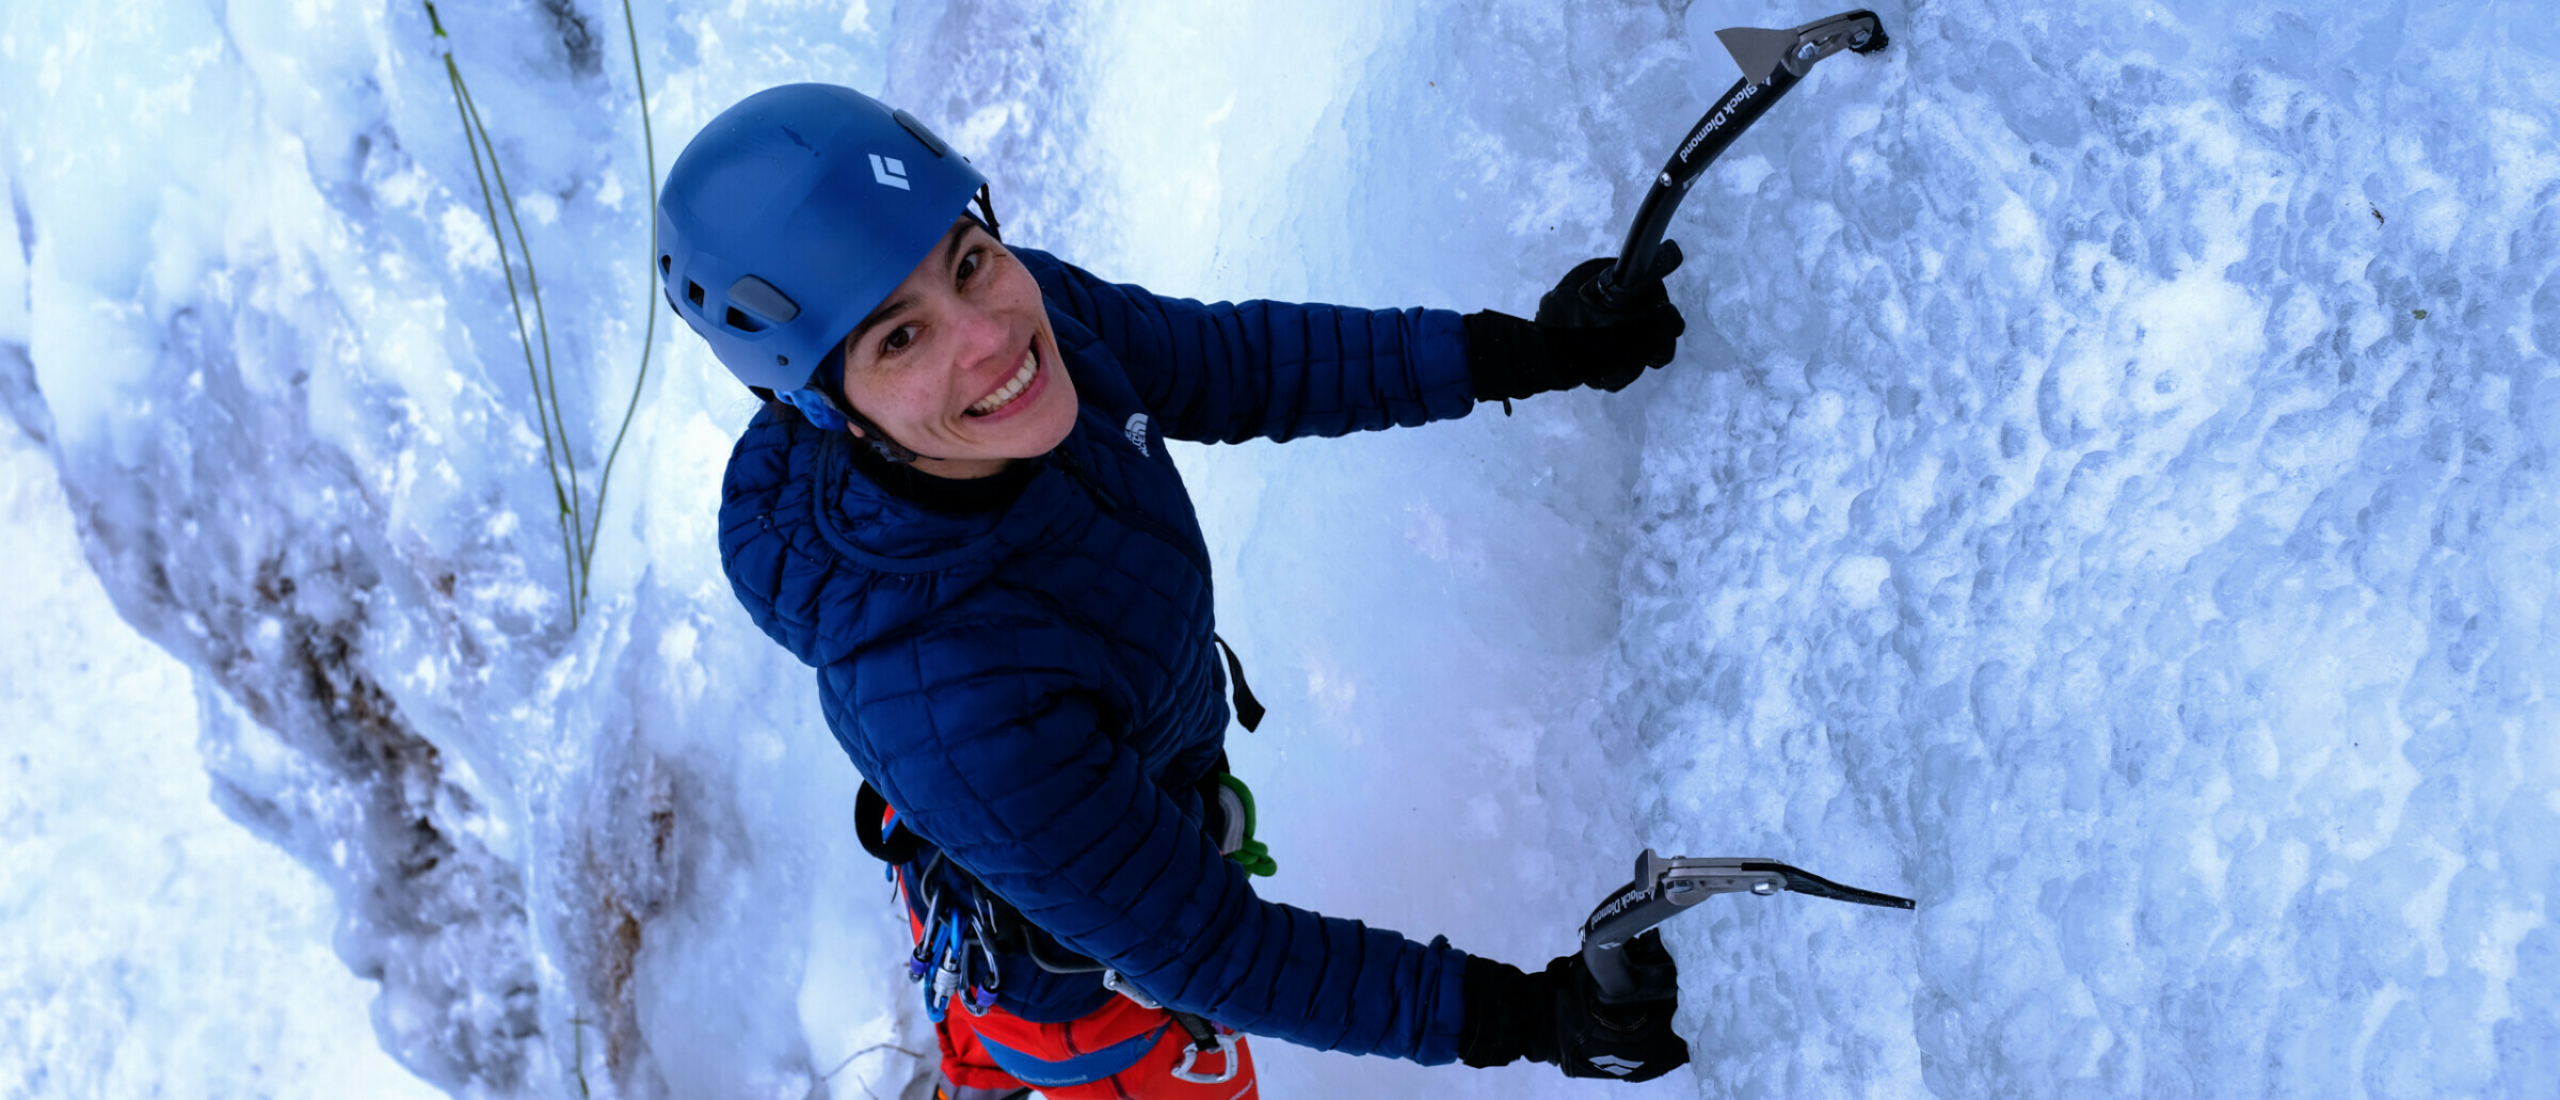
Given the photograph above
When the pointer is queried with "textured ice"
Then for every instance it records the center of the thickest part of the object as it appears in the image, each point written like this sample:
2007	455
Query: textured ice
2106	493
151	943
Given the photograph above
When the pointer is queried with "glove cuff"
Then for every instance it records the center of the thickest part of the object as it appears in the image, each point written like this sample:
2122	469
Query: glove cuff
1509	1015
1507	357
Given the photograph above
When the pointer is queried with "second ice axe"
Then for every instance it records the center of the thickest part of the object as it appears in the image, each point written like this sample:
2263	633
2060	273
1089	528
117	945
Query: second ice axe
1665	886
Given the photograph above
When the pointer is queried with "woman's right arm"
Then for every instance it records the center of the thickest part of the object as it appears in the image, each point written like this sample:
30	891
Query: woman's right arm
1010	772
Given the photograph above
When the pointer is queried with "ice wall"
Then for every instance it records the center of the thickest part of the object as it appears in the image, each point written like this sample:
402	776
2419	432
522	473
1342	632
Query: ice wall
273	349
2061	512
153	946
2125	517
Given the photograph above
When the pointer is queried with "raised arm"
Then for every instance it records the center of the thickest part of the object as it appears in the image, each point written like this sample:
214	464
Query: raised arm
1230	371
1226	372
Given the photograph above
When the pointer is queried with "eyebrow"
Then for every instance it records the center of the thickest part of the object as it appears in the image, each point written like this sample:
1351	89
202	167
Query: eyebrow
895	306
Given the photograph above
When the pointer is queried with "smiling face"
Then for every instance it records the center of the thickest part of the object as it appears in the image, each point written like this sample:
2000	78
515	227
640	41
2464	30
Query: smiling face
959	363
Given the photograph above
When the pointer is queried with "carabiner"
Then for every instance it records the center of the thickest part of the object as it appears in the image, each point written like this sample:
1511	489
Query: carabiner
1191	1054
955	951
995	974
930	941
947	979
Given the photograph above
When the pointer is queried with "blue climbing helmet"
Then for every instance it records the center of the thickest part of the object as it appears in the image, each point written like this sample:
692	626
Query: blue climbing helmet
791	217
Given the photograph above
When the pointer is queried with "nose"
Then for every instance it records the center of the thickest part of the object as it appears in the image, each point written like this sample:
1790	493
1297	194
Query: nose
981	341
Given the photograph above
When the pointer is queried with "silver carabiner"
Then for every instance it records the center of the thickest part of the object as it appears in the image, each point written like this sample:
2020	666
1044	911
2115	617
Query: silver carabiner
994	974
1191	1054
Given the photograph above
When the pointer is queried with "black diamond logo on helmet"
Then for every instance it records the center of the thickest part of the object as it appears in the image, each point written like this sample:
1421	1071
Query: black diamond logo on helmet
890	171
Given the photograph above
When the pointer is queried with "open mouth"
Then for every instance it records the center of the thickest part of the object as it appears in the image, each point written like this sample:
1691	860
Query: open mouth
1013	388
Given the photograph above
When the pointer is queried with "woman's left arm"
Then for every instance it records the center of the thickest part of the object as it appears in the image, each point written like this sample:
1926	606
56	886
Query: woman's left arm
1226	372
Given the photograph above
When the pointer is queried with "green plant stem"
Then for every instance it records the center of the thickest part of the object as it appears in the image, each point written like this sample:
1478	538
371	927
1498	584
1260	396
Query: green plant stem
578	538
473	138
649	301
547	387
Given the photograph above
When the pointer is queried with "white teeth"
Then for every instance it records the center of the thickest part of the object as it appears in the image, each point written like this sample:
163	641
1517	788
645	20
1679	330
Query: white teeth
1010	390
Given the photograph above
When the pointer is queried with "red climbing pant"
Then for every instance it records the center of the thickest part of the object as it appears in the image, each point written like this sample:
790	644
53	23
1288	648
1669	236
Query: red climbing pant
1120	1052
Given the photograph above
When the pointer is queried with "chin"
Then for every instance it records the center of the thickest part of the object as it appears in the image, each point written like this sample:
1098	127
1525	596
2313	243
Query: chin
1049	425
1043	435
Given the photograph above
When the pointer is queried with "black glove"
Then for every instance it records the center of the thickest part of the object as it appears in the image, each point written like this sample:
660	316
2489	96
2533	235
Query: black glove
1576	341
1556	1017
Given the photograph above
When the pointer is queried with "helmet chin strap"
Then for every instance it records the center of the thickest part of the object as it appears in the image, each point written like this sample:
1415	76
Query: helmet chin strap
826	414
888	449
986	215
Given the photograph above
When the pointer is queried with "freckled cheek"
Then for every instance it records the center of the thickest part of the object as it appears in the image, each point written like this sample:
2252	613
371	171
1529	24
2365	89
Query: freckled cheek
927	407
895	403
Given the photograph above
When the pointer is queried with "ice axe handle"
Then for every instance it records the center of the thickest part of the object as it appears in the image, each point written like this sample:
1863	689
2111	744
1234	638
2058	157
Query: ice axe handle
1619	947
1639	970
1772	62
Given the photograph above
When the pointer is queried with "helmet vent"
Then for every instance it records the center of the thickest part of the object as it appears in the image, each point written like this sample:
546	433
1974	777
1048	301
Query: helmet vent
921	133
760	296
739	319
666	264
693	293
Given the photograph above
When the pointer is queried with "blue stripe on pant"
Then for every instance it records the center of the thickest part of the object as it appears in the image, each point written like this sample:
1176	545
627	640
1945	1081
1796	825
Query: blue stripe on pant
1038	1072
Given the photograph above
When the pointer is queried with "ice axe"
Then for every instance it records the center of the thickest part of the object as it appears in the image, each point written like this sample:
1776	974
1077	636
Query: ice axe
1772	62
1627	970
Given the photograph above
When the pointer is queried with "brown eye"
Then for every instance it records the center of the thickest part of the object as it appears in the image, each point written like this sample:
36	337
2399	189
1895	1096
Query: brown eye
898	339
968	266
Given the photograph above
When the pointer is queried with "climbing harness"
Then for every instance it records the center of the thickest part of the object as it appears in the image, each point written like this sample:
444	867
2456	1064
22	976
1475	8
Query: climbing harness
949	935
958	948
956	956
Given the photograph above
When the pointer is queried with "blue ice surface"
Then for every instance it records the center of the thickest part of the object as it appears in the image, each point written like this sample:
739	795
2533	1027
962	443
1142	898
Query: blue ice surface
2105	493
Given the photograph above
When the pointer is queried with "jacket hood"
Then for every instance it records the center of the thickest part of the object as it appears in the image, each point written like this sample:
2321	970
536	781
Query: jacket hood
824	557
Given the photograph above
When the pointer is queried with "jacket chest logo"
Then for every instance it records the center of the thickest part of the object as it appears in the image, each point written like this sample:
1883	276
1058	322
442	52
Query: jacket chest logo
1137	431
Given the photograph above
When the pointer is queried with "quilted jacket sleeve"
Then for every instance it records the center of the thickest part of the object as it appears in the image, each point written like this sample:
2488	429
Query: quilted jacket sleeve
1007	769
1226	372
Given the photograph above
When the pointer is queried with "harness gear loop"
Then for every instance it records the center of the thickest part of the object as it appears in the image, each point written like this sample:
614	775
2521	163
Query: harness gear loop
1112	981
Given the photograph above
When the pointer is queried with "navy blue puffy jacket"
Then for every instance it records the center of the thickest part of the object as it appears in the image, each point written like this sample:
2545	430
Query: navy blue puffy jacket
1035	688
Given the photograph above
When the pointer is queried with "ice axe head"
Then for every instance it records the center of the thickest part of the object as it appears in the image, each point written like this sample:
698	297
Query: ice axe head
1761	52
